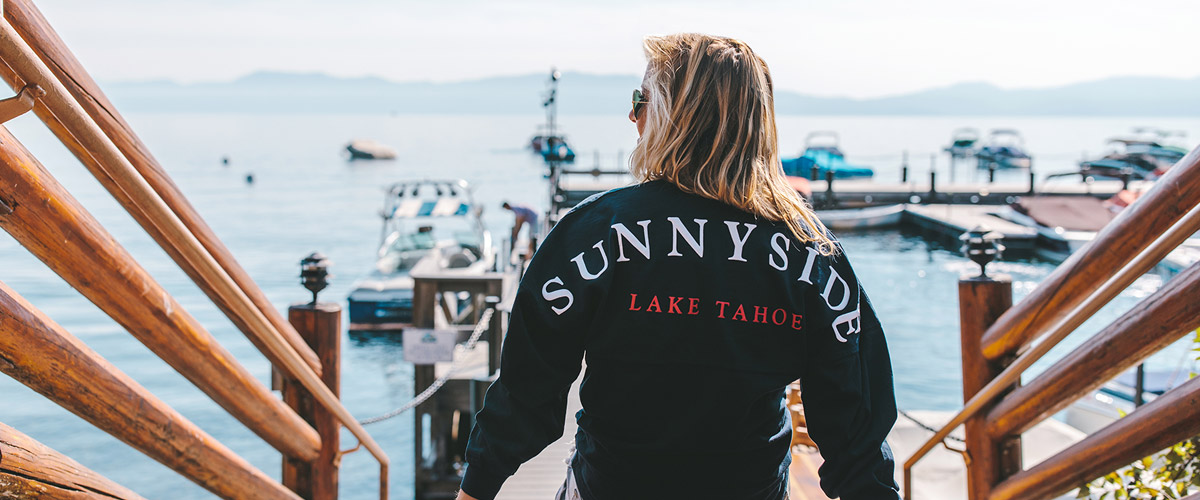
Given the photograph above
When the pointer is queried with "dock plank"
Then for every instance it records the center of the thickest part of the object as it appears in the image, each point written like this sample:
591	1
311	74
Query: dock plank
953	220
540	478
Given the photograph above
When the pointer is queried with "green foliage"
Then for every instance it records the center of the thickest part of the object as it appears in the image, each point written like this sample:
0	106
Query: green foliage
1169	474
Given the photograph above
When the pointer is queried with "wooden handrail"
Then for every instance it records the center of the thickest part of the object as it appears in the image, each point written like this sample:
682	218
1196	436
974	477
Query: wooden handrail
1153	324
1187	226
73	244
21	59
42	355
33	28
1122	239
1150	428
29	469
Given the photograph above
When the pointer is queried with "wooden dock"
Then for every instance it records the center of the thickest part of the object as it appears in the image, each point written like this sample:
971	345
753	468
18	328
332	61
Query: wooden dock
855	193
540	478
947	222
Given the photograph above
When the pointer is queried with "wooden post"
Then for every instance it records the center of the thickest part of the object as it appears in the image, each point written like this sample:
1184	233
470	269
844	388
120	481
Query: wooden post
29	469
980	302
320	327
830	199
495	334
424	300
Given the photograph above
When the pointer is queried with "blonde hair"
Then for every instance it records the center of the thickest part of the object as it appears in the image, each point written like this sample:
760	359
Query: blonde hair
710	130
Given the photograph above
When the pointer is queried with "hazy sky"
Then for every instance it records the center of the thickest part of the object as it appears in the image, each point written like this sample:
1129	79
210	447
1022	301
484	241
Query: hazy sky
858	48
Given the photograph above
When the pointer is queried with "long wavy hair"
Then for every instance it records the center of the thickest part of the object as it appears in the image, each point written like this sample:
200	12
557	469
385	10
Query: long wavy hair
710	130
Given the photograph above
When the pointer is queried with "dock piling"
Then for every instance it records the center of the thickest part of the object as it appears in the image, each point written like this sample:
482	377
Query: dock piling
981	301
830	197
319	324
932	186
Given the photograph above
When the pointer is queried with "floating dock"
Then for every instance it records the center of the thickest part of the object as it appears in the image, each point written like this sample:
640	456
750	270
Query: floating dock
947	222
857	193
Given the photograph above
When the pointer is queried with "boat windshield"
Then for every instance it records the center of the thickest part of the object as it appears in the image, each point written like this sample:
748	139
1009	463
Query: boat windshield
404	248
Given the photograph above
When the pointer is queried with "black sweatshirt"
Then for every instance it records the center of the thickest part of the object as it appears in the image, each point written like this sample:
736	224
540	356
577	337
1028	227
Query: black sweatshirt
694	316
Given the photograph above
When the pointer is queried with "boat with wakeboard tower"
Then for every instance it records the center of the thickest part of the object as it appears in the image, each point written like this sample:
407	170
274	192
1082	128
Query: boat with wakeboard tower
435	223
1005	148
1147	154
822	150
962	143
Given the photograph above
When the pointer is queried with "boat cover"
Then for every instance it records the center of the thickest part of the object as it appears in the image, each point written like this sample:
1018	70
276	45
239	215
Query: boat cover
1073	213
443	207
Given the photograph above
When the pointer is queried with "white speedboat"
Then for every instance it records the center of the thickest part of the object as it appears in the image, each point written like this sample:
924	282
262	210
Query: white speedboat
850	219
432	222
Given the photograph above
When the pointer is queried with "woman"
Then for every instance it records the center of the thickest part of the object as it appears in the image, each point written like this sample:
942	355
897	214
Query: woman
697	296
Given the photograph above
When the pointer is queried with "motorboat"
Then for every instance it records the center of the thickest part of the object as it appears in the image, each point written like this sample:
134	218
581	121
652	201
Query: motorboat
962	145
363	149
854	219
554	148
823	152
1139	157
431	223
1005	148
549	143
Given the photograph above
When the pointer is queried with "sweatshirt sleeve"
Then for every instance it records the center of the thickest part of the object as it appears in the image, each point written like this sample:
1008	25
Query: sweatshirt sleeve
849	403
524	409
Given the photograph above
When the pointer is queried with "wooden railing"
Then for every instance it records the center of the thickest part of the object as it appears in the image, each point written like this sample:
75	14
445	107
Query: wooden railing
997	344
47	220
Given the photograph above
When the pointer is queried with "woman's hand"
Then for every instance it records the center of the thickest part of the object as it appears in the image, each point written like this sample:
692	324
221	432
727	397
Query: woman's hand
462	495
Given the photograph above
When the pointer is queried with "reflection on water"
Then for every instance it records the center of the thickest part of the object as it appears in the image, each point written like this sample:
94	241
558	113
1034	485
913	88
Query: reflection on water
307	197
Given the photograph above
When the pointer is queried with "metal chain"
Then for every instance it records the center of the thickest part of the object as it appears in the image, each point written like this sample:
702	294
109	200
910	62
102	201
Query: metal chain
928	428
484	321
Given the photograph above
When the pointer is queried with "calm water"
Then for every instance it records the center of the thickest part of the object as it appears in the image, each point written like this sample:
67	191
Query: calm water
306	197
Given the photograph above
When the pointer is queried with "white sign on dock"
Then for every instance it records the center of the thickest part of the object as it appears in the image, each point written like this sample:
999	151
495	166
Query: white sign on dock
426	347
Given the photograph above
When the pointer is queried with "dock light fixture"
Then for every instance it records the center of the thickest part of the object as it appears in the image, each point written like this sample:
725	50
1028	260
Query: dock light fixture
982	246
314	273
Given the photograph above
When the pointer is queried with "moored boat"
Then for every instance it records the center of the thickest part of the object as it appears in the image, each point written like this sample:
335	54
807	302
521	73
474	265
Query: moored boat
432	223
823	152
1139	157
962	145
850	219
363	149
1005	148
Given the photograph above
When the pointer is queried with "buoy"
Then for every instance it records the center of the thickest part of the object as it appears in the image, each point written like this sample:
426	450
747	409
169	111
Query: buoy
250	178
225	160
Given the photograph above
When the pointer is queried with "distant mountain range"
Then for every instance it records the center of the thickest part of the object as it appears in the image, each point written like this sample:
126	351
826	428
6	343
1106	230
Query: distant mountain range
582	93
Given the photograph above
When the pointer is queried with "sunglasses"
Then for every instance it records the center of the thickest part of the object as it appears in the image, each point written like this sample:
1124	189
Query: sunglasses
639	100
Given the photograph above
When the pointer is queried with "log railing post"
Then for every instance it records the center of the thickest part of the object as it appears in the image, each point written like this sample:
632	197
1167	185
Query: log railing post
424	302
29	469
320	327
980	301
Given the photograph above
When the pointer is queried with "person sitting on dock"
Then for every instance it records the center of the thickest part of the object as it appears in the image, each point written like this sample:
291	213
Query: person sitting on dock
697	296
523	215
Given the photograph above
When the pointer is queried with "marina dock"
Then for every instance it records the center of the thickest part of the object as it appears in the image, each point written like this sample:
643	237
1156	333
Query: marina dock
574	188
946	222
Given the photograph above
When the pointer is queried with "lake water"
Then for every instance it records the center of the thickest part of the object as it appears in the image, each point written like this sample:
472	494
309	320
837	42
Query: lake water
307	197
